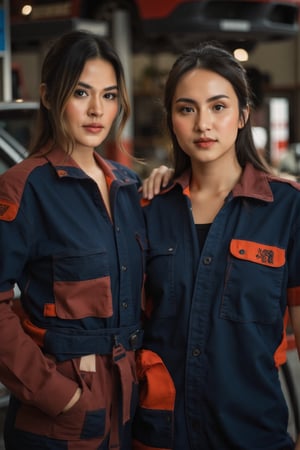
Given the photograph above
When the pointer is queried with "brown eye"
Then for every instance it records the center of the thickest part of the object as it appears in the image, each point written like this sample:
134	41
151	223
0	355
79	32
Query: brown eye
219	107
111	95
80	93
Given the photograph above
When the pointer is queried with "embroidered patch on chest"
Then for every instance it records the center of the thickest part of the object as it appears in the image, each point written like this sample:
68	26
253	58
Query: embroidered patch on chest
266	256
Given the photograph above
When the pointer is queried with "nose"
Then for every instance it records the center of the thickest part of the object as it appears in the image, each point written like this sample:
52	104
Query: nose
95	107
203	120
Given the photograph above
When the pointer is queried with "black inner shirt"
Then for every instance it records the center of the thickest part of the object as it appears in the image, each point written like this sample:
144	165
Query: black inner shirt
202	231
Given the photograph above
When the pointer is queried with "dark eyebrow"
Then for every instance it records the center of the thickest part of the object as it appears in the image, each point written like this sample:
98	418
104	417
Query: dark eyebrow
87	86
210	99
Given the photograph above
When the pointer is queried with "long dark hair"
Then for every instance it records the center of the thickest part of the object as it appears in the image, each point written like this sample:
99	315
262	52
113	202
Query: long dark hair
213	57
61	70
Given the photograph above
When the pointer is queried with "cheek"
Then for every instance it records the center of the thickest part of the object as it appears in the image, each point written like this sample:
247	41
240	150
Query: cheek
231	123
71	113
179	127
113	112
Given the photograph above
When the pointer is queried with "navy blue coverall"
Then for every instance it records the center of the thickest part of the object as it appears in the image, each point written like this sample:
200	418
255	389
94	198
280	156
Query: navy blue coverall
216	318
81	278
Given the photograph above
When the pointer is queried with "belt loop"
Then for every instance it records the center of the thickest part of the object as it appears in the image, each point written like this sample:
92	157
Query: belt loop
118	351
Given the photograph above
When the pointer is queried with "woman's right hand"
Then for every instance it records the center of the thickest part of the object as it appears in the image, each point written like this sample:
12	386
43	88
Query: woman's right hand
158	178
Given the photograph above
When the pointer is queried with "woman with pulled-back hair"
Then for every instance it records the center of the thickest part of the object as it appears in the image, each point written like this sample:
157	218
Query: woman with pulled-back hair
72	238
222	272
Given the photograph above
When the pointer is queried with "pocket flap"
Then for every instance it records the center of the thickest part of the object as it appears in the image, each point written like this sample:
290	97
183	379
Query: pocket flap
267	255
157	390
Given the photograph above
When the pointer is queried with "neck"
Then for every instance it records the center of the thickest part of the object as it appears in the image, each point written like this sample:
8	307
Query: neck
215	178
85	158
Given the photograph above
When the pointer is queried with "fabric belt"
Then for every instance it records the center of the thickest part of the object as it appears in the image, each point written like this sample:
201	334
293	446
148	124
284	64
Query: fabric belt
66	344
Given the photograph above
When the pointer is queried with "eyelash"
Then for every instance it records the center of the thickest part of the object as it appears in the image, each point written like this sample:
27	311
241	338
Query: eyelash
107	95
191	109
111	95
219	107
185	109
79	92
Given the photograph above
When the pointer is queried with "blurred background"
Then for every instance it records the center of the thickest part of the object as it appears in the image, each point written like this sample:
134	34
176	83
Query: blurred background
149	35
263	34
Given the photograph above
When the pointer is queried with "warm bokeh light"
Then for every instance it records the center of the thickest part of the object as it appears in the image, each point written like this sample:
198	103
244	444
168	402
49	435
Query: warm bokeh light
241	54
26	10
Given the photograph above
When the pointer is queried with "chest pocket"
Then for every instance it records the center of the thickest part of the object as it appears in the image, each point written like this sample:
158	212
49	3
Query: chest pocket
253	282
160	292
81	285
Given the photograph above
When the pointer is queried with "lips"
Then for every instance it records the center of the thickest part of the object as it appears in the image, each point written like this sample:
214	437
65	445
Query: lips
93	128
205	142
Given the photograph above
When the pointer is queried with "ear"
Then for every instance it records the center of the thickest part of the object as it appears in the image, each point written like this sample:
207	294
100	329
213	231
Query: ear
44	95
245	116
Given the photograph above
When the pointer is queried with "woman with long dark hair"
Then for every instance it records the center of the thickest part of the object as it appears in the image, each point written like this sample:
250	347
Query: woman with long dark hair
222	273
72	238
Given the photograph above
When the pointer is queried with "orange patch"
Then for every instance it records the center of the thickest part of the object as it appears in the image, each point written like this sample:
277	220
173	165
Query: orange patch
186	191
157	390
37	334
8	210
108	180
144	202
50	310
280	354
266	255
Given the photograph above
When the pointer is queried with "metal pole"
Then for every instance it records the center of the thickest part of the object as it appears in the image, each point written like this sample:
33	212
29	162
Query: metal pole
6	59
121	33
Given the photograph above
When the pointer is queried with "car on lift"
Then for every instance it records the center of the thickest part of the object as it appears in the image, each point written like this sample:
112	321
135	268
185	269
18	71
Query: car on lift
215	19
165	25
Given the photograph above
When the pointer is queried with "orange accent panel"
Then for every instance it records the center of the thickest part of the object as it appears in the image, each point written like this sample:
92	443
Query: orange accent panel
62	173
109	181
157	390
266	255
37	334
144	202
186	191
294	296
8	210
50	310
280	354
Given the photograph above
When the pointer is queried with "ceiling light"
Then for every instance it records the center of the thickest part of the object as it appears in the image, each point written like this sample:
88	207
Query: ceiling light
241	54
26	10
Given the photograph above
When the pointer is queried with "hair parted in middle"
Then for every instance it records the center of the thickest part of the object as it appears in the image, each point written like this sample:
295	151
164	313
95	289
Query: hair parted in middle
214	57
